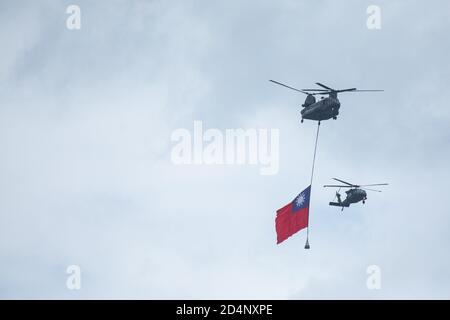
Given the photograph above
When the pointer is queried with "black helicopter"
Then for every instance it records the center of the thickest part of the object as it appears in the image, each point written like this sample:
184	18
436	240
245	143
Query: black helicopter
324	109
354	195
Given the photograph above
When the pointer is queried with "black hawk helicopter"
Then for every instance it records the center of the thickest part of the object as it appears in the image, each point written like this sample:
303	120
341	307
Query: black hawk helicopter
354	195
324	109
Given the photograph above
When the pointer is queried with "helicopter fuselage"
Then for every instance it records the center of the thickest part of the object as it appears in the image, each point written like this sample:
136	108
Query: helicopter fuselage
324	109
354	196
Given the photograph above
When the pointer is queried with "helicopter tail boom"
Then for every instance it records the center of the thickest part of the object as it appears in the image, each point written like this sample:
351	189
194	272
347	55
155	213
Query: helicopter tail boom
337	204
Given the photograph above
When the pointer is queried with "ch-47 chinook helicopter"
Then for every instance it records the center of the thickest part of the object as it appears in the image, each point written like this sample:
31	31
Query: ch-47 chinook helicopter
324	109
354	195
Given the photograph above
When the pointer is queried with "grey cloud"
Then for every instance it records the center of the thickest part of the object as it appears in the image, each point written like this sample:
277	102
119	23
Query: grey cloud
86	118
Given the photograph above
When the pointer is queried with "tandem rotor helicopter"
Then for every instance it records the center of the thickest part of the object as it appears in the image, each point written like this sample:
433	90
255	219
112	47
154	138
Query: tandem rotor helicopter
356	193
324	109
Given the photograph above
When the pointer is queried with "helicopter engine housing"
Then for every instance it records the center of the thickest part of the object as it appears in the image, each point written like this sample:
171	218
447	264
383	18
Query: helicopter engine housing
310	99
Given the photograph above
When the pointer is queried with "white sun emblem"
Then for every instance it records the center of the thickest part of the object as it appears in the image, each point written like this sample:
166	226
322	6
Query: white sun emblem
300	200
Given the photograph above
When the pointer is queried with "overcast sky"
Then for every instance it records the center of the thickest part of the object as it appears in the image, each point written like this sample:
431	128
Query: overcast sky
86	176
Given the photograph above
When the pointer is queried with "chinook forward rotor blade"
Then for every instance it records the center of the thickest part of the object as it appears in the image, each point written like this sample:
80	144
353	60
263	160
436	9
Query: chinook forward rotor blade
283	85
348	183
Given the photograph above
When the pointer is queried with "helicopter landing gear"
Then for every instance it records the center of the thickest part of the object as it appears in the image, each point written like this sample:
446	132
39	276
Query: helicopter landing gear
334	118
301	121
364	201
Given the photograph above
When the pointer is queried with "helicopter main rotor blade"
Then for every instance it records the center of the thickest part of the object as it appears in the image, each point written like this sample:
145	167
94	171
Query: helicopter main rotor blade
324	86
371	189
320	93
345	90
282	84
357	90
336	186
348	183
376	184
323	91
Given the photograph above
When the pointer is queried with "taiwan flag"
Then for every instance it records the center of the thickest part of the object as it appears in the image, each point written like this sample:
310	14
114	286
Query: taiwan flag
293	217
